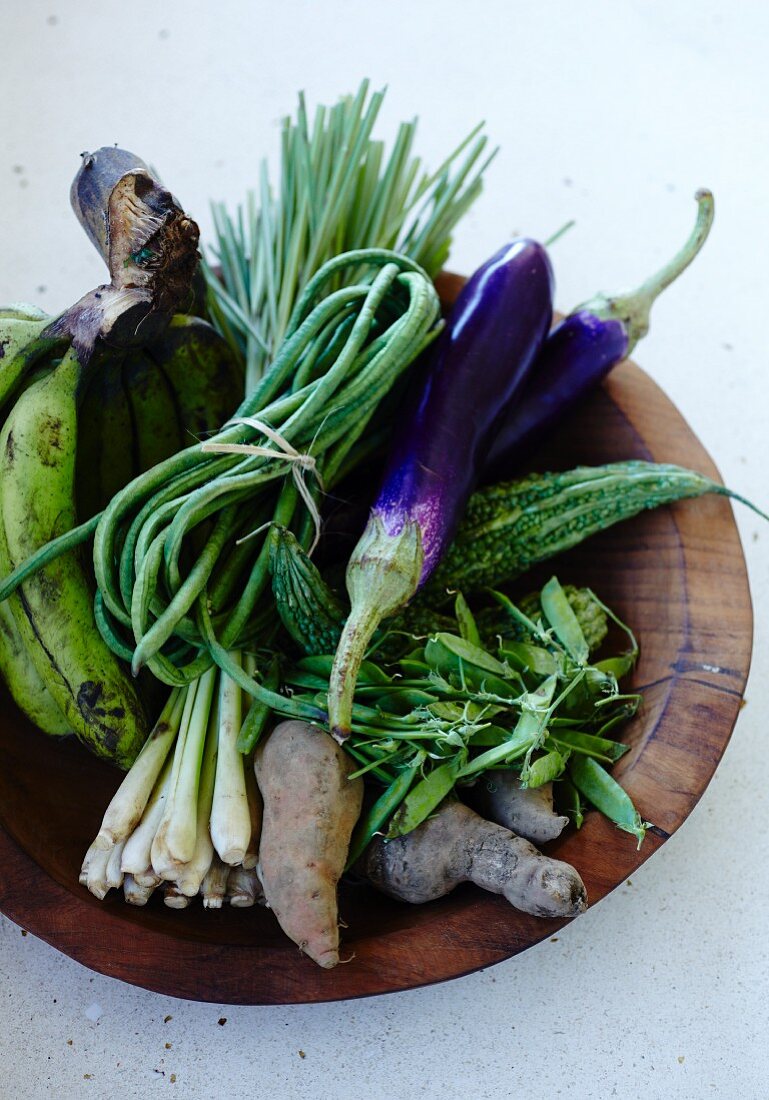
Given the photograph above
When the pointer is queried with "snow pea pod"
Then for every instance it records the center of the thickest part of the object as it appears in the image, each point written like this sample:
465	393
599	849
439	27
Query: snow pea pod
383	809
605	793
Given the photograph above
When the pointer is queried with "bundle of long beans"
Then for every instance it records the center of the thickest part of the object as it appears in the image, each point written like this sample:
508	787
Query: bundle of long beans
175	583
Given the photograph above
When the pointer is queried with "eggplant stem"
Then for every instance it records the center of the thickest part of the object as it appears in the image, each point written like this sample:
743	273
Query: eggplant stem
633	309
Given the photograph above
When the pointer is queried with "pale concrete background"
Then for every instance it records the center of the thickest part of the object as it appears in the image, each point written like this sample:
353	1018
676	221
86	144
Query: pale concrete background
609	113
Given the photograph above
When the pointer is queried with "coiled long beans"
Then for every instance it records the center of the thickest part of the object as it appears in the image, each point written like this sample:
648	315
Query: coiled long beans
176	586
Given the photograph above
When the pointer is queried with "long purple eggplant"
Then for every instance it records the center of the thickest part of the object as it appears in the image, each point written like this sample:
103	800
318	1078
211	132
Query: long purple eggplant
581	350
481	360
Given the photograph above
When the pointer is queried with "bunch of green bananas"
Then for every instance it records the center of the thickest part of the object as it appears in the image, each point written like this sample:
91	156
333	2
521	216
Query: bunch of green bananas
71	439
87	402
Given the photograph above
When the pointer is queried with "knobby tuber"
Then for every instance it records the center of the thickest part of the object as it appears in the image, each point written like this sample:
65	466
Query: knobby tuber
456	845
527	812
310	808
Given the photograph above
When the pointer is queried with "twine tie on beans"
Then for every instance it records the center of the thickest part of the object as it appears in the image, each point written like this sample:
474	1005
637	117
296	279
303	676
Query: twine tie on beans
300	464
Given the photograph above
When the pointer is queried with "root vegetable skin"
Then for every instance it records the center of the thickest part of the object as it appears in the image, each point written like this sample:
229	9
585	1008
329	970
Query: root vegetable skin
527	812
456	845
310	809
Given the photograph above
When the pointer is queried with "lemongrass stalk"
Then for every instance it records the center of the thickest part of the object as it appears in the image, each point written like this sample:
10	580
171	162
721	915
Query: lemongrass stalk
137	858
174	843
255	809
126	808
160	856
214	885
173	898
230	814
114	875
243	888
88	859
96	874
191	875
182	828
134	893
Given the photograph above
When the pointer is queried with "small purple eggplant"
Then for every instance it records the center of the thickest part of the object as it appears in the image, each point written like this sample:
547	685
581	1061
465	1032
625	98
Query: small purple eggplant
478	364
581	350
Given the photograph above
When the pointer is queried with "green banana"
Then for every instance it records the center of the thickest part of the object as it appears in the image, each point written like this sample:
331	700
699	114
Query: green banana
24	681
106	443
22	345
154	410
205	376
143	406
37	469
20	327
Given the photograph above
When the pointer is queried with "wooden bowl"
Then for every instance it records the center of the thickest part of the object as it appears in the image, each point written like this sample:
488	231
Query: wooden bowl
677	575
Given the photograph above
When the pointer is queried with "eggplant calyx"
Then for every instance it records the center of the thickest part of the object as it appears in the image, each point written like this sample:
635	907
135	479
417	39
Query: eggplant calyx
382	575
632	310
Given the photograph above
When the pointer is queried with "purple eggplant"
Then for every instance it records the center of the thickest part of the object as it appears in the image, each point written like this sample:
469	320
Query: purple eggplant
478	364
581	350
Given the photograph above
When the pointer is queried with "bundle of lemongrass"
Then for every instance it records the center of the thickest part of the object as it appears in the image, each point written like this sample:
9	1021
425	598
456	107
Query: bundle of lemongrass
338	191
187	816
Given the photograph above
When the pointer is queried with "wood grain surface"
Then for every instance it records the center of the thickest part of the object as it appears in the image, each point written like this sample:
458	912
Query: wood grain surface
677	575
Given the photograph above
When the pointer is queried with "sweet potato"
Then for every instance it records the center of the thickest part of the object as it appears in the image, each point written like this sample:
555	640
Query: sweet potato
310	808
527	812
456	845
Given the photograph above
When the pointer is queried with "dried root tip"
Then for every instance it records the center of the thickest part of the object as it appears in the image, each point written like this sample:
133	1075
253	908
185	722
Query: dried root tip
214	885
243	888
173	897
134	893
147	879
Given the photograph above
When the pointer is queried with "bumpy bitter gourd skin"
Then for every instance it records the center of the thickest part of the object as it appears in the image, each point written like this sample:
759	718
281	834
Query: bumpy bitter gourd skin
456	845
508	528
314	616
308	608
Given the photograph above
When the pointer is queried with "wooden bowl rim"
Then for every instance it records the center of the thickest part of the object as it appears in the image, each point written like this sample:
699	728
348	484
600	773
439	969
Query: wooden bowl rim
185	967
